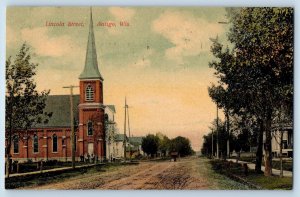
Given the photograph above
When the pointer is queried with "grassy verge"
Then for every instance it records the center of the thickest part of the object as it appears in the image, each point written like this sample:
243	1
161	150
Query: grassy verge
256	181
53	177
218	181
51	164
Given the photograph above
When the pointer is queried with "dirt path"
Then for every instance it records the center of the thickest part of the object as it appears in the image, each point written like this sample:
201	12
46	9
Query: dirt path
140	179
189	173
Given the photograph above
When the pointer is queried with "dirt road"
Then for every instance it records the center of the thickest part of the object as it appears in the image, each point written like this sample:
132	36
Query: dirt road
188	173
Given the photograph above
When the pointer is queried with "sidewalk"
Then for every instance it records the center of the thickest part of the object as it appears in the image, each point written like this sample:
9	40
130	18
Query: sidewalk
274	171
52	170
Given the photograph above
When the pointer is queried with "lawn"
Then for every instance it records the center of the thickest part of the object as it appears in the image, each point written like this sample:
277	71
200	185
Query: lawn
286	164
47	178
254	180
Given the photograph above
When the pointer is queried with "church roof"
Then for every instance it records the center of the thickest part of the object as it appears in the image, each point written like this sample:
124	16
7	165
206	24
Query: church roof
91	70
59	105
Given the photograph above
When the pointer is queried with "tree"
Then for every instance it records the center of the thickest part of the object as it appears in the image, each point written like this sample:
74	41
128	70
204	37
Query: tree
181	145
163	143
223	137
24	104
220	96
258	71
150	144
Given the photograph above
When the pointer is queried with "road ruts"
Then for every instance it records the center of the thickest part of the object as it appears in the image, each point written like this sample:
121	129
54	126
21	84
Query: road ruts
187	174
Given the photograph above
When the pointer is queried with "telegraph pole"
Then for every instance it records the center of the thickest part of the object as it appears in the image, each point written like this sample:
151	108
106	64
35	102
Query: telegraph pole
228	130
124	141
129	133
72	123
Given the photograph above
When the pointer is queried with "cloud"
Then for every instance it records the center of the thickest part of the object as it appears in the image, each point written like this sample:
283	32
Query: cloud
11	38
122	13
45	45
189	34
143	60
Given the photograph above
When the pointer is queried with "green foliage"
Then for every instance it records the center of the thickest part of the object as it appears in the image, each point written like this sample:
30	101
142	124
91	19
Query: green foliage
223	136
150	144
181	145
24	104
256	75
164	143
258	72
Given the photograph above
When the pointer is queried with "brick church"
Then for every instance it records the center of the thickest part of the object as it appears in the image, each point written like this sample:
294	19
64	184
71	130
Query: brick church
52	140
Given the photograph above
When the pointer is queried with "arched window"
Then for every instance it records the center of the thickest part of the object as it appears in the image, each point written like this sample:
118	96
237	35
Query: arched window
35	144
54	143
89	128
16	144
89	93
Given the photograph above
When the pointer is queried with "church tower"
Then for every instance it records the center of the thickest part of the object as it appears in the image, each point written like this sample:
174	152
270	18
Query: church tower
91	134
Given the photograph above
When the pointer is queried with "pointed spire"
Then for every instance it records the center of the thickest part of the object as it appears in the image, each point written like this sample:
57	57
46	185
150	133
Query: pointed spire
91	70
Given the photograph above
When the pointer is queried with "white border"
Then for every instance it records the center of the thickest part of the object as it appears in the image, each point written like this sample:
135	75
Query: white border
228	3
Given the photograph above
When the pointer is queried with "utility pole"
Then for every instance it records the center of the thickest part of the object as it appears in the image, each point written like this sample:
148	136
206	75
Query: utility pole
129	133
124	141
228	130
72	123
217	132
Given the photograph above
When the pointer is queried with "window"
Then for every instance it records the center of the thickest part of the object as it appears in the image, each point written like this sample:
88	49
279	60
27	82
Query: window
90	128
16	144
89	93
54	143
35	144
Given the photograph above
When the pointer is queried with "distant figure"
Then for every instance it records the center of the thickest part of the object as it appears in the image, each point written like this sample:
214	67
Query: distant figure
92	158
88	157
81	158
174	155
85	157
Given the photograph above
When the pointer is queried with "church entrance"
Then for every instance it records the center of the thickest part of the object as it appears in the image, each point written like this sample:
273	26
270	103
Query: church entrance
91	148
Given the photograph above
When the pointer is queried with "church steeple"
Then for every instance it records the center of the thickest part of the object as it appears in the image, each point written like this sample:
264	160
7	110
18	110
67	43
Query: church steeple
91	70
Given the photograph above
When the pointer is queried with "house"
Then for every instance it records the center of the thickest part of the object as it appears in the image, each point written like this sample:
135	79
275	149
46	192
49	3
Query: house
287	141
110	132
52	140
136	146
119	145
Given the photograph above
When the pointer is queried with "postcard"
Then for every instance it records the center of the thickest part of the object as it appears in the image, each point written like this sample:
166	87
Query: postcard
149	98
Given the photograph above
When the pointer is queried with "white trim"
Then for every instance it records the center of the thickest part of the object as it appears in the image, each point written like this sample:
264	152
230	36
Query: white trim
95	79
89	93
91	105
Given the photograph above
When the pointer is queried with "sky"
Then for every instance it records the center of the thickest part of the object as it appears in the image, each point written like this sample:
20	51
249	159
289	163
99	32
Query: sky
160	61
